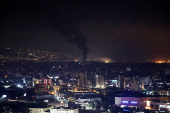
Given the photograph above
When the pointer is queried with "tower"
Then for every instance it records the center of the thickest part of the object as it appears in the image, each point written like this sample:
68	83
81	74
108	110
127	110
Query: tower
33	80
99	81
83	79
120	81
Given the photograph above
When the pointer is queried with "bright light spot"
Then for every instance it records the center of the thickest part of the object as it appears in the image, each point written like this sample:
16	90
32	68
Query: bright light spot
106	61
56	77
124	101
168	106
122	106
147	107
3	96
148	103
159	61
162	106
133	102
6	86
19	86
45	100
37	82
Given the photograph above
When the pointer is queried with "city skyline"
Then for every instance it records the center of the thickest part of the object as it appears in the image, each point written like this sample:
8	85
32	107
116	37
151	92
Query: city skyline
13	54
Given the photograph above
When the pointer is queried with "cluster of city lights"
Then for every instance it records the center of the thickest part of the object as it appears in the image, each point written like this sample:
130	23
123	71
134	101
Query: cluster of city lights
132	102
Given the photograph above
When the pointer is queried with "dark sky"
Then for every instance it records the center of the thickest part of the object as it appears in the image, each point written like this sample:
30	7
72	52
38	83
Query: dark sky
122	29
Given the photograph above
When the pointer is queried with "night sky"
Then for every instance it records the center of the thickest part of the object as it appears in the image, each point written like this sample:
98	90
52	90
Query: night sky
123	29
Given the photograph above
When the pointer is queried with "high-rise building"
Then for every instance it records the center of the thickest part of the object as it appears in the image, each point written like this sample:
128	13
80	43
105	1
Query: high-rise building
33	80
99	81
82	82
134	86
89	83
120	81
126	82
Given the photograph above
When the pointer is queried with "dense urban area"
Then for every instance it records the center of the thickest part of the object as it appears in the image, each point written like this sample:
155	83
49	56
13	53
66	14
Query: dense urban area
33	82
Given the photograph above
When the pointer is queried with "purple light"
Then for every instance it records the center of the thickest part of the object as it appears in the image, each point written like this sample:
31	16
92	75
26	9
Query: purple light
133	102
124	101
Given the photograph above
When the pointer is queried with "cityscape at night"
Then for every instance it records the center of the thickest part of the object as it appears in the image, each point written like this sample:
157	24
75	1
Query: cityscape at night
60	56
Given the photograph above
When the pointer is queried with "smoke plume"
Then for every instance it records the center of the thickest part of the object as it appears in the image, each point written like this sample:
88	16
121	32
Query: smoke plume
73	34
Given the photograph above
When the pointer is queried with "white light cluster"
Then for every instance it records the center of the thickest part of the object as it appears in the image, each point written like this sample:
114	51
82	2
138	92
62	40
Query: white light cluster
124	101
4	96
162	106
133	102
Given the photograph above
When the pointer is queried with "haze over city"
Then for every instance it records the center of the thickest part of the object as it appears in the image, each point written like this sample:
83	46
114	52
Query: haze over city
129	30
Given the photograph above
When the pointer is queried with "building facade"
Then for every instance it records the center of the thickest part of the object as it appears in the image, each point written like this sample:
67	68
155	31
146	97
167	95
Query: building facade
62	110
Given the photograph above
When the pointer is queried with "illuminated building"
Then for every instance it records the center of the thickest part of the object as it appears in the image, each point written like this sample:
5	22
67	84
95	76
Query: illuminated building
82	82
39	109
89	83
41	81
33	80
47	81
24	80
63	110
126	82
153	103
111	83
61	82
120	81
99	81
136	83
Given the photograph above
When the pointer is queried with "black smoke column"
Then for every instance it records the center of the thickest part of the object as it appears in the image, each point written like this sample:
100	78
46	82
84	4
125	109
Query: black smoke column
81	42
74	36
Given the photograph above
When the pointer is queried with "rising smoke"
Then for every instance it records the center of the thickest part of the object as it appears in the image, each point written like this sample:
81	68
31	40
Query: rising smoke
71	31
